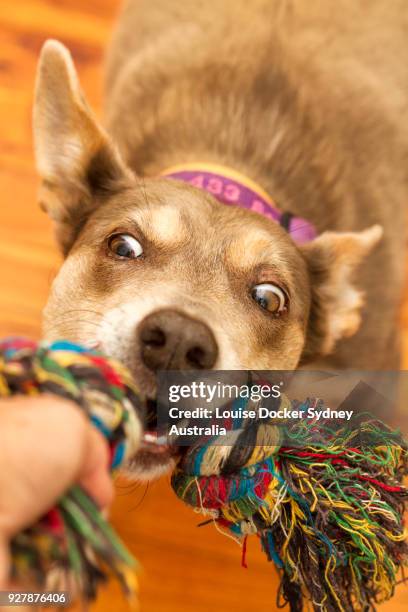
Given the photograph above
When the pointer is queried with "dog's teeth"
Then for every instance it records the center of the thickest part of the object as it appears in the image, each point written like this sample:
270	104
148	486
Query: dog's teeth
150	437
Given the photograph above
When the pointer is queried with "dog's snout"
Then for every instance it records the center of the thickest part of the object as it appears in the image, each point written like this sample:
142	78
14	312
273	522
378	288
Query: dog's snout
172	340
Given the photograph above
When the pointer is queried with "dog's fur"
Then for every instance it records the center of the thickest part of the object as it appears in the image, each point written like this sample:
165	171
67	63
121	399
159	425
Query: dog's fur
310	99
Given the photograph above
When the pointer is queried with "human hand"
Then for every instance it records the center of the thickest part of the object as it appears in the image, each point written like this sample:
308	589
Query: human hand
46	445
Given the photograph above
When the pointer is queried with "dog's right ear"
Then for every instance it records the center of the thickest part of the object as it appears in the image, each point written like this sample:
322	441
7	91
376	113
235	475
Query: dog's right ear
77	162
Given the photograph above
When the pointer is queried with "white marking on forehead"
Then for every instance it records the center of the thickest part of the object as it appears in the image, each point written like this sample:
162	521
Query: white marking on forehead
162	224
254	247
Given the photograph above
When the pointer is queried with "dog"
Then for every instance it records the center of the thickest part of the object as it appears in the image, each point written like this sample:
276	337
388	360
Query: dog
307	101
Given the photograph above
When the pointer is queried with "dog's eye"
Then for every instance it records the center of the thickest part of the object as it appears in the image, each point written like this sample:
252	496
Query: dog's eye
270	297
125	245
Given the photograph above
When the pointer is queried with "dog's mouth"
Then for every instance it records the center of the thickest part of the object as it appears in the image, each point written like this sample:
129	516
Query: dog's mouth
153	443
156	455
153	459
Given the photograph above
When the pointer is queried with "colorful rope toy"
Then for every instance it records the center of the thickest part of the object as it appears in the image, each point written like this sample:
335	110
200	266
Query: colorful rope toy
72	547
327	505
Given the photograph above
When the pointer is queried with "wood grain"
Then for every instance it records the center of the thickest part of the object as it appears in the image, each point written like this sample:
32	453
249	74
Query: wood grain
185	568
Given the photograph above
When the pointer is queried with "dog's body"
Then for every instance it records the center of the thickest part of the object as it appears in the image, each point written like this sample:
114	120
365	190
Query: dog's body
309	99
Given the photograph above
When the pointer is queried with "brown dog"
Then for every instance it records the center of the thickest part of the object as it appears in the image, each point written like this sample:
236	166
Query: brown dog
307	99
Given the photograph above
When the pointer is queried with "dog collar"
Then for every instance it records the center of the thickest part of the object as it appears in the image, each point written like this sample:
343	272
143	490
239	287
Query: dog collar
235	189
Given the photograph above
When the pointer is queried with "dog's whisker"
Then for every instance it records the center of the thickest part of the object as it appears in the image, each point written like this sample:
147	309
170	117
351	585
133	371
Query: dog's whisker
74	320
91	311
71	322
141	500
128	488
79	310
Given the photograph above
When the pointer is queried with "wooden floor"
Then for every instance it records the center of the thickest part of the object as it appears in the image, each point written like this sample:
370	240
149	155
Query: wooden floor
185	568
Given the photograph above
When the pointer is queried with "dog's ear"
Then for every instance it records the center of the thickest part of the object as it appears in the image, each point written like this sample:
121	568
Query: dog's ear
77	163
336	303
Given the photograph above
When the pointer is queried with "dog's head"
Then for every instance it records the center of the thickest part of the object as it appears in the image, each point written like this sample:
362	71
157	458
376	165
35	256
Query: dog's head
162	276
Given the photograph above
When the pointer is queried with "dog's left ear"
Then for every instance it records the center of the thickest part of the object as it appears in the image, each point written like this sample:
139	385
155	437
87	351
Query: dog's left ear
77	162
336	304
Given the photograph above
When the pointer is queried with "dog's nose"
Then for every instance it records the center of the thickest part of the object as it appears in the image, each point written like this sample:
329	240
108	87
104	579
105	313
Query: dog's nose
171	340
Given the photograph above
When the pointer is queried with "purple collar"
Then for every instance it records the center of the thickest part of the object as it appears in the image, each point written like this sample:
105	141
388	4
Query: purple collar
235	189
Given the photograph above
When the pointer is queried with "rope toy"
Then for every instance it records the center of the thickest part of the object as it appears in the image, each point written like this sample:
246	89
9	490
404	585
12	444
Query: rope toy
72	547
327	505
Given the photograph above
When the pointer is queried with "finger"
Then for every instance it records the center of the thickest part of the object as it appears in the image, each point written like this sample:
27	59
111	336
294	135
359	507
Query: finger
95	475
